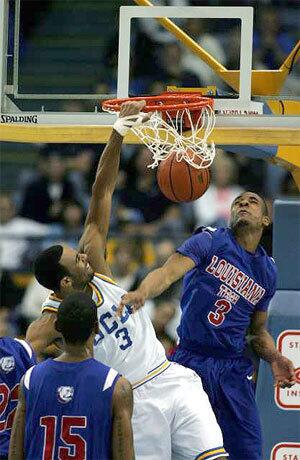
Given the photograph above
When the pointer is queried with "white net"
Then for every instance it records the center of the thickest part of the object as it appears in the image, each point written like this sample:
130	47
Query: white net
165	137
183	132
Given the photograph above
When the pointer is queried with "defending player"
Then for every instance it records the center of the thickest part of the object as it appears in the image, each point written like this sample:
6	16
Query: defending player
229	281
16	356
74	406
172	414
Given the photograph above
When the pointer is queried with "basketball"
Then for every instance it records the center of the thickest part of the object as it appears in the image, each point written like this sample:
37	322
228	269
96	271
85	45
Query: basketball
181	182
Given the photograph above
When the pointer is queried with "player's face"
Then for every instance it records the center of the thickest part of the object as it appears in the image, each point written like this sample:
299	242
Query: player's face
248	210
78	266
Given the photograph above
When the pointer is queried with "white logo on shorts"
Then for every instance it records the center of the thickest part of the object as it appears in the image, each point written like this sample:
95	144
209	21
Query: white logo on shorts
7	364
65	394
249	377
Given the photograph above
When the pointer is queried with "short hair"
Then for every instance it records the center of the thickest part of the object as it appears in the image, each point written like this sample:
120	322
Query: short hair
47	268
76	317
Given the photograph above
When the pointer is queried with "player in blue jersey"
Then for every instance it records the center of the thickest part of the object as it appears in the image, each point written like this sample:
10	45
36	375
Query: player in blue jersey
228	283
73	406
16	356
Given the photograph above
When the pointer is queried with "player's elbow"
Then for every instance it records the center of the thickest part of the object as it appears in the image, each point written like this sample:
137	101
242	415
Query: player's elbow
39	335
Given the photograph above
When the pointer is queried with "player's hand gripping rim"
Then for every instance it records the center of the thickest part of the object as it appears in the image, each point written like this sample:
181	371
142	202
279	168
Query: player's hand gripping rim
134	298
130	115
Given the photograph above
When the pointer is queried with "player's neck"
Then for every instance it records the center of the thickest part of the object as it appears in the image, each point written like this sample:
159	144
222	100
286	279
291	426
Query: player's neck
75	353
62	294
248	239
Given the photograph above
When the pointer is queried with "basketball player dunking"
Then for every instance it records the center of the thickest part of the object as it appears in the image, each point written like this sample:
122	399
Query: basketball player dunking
228	284
172	416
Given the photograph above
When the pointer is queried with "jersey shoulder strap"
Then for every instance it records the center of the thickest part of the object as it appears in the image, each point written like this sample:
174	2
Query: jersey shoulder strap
103	285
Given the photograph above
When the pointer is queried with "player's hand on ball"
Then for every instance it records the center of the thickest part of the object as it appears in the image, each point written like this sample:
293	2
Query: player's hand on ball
283	372
134	298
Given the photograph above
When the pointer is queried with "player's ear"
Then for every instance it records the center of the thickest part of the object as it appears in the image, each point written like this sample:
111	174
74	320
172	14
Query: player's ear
266	221
65	283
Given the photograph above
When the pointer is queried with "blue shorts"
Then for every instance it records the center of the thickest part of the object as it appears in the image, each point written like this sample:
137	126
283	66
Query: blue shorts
230	388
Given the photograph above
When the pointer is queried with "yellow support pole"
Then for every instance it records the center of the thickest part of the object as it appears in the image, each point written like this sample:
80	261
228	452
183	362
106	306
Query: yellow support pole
288	153
264	82
186	40
296	176
291	59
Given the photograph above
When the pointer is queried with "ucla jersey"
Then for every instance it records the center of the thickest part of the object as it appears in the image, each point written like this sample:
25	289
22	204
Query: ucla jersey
129	343
69	410
227	285
16	357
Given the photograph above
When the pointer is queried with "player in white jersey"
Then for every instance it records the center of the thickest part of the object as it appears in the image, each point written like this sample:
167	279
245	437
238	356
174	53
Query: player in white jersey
172	416
129	342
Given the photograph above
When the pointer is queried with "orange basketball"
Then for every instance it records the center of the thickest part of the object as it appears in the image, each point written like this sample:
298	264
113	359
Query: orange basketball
179	181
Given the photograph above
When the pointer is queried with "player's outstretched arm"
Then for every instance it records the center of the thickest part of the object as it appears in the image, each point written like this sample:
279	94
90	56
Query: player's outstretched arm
122	435
263	344
93	240
16	446
157	281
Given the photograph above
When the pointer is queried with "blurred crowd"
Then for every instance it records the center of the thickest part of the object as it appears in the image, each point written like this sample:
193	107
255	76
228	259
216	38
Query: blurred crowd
51	199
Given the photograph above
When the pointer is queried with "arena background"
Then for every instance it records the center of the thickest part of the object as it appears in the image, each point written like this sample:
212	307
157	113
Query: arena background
71	47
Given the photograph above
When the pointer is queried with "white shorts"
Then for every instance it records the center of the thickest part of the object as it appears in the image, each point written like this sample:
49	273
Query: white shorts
173	418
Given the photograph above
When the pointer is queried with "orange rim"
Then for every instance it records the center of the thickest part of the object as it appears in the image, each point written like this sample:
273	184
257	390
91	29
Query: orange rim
163	102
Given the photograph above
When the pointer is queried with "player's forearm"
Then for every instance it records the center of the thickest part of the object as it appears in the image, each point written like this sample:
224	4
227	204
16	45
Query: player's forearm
104	184
108	167
122	435
16	446
155	283
122	440
264	346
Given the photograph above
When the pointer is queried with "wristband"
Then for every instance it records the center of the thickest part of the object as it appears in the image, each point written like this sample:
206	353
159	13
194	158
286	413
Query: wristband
124	124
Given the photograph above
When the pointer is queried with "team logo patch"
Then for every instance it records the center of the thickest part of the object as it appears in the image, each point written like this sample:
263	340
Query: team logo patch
65	394
7	364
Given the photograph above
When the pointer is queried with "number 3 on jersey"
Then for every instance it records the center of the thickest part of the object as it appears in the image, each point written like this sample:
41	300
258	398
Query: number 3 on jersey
217	317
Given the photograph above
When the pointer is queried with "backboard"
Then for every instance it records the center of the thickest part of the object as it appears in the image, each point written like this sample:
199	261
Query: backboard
242	118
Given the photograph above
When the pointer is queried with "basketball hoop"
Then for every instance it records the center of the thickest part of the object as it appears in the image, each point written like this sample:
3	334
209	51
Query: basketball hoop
180	124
